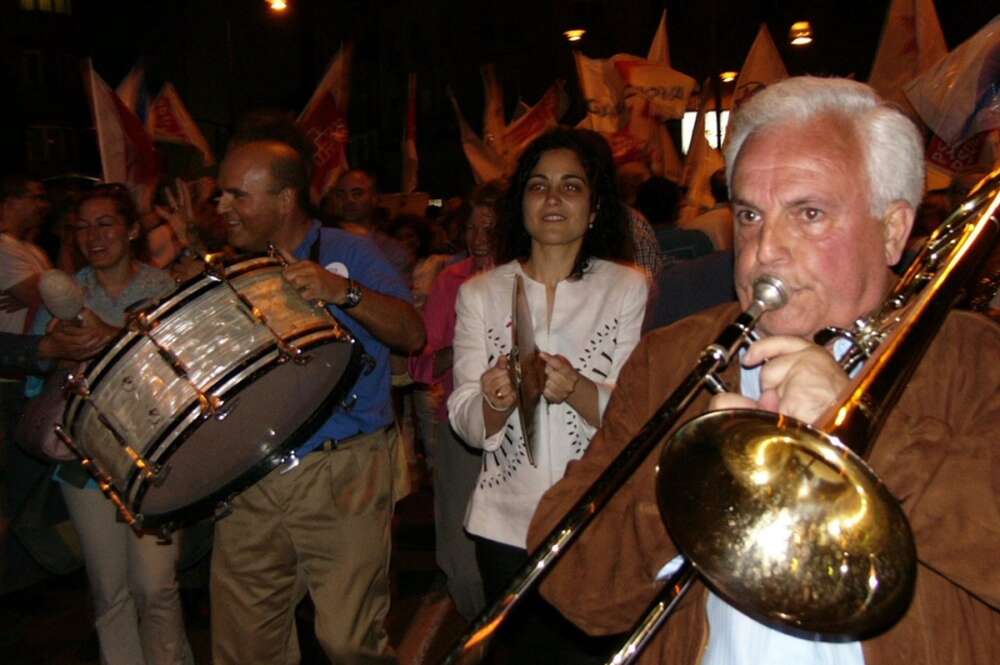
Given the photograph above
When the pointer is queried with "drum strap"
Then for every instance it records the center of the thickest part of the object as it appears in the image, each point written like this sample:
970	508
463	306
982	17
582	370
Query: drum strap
314	247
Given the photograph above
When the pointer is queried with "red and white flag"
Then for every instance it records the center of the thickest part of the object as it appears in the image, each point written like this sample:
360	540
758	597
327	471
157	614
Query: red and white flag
533	123
954	159
494	125
519	109
408	182
911	43
324	123
169	121
659	49
702	160
127	152
959	96
666	89
486	164
762	67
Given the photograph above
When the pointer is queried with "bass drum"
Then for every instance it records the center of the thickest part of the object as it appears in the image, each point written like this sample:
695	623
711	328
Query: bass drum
209	391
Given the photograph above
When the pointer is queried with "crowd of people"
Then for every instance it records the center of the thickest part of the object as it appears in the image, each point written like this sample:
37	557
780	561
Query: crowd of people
620	288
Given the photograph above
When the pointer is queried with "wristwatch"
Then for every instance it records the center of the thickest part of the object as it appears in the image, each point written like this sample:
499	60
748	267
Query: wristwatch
353	295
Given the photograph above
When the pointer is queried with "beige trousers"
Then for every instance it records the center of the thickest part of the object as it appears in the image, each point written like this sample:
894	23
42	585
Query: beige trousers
322	527
133	584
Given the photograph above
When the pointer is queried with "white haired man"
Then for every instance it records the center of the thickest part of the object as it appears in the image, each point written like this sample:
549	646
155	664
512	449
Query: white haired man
825	179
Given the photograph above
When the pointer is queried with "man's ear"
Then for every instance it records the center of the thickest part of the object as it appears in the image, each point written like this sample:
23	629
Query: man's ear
896	225
286	201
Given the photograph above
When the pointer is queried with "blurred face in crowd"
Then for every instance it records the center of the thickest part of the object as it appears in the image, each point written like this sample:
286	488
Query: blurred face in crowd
556	203
479	232
102	234
354	197
408	238
249	204
25	212
801	213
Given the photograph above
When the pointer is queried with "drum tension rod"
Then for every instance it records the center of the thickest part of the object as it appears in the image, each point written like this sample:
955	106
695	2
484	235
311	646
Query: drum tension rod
150	472
104	481
140	323
286	351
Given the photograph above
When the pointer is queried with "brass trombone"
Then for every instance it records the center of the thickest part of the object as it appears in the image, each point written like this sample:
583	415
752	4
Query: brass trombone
799	533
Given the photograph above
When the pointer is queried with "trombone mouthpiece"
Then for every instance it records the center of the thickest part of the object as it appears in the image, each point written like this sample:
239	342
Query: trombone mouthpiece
770	293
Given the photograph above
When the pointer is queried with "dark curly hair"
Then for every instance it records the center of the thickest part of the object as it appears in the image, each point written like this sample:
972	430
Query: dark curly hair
609	238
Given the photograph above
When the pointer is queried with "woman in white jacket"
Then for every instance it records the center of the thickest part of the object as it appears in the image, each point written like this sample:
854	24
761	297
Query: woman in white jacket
565	232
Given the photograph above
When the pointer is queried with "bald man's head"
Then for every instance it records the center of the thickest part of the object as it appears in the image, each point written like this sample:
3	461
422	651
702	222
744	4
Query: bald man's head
264	190
355	197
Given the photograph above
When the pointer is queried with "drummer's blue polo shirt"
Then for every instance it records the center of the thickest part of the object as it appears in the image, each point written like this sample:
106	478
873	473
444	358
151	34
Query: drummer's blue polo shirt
362	261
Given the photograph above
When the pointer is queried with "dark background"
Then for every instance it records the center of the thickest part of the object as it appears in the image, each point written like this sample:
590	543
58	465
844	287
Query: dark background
229	56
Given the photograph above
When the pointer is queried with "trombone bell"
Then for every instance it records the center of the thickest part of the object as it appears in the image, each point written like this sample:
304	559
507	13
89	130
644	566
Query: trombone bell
787	524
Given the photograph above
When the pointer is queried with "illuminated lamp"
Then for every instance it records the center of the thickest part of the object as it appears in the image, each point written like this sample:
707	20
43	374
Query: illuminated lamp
800	34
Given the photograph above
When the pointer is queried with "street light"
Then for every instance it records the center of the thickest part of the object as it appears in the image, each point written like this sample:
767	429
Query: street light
277	5
800	34
728	77
574	34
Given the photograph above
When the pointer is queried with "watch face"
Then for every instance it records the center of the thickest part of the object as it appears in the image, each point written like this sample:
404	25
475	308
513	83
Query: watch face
353	295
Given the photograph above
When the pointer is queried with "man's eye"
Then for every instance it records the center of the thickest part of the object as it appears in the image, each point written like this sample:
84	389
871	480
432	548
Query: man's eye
812	214
746	216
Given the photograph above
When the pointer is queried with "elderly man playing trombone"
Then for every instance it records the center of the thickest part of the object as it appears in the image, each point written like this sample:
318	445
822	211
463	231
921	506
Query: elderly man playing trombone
824	180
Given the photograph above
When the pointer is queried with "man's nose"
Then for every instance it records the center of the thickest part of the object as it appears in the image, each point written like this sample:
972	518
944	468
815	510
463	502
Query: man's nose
772	243
225	202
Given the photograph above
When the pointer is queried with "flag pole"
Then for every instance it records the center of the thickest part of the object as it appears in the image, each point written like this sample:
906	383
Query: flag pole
716	73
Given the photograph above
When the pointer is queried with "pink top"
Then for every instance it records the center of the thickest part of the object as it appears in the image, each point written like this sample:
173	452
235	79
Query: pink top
439	320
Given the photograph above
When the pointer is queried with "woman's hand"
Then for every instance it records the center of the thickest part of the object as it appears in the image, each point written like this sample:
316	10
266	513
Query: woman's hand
179	213
560	378
497	387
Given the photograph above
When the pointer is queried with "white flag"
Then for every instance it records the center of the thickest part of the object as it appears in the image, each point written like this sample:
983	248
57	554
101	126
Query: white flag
762	67
911	43
960	95
603	91
702	161
659	49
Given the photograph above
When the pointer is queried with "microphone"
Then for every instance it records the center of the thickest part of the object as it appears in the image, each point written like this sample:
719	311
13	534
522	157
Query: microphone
61	295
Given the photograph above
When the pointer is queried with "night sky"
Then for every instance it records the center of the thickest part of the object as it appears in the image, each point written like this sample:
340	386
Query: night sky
229	56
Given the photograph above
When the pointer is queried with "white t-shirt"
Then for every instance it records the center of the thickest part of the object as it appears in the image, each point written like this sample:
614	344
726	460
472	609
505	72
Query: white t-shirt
596	322
18	261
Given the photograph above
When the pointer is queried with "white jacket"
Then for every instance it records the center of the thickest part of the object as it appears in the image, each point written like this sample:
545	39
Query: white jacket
596	322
